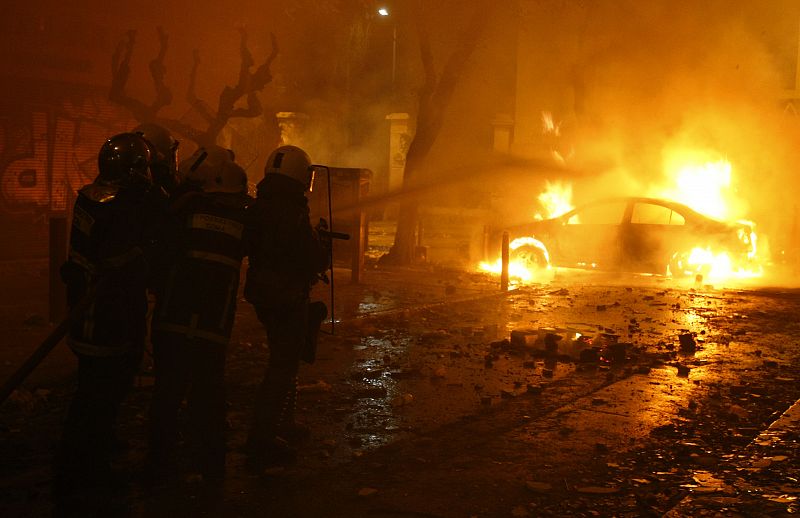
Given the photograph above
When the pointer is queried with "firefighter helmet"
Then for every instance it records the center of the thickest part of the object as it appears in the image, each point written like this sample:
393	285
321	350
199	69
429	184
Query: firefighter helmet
212	168
165	148
160	137
231	177
293	162
124	161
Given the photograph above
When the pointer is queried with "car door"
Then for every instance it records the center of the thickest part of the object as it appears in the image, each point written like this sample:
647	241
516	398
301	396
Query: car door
650	236
589	237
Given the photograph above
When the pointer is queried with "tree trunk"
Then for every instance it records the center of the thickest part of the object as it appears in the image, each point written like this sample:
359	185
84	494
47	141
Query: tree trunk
434	97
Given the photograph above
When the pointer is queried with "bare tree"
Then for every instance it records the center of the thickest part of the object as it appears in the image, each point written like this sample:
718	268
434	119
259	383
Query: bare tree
434	98
248	86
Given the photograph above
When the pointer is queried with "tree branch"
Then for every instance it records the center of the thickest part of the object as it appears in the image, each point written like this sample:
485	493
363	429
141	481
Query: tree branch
248	85
158	71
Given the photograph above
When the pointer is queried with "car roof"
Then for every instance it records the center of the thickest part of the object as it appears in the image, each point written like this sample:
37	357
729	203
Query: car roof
682	208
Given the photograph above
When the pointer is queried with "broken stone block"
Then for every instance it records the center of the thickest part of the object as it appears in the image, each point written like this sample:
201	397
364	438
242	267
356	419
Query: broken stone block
597	490
538	487
687	342
589	356
523	337
551	343
440	372
534	389
601	447
617	352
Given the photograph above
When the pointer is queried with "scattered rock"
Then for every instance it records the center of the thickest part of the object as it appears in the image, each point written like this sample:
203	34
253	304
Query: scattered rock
367	491
597	490
538	487
687	343
534	389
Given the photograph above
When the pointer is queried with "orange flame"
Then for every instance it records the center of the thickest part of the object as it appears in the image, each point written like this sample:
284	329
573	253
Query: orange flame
519	268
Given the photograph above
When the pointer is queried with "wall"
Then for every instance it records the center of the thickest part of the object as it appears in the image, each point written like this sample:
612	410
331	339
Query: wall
50	134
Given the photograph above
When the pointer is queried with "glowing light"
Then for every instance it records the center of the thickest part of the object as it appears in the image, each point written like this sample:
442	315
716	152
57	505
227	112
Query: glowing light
383	11
704	182
718	265
521	268
701	182
548	125
555	200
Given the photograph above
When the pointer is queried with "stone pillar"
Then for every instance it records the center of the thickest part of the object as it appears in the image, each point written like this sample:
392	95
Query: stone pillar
399	139
292	125
503	134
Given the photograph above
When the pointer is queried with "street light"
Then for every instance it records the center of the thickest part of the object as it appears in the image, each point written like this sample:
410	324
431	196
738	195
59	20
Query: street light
384	11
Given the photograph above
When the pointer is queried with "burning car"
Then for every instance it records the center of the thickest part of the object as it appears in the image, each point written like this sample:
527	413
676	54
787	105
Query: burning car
633	234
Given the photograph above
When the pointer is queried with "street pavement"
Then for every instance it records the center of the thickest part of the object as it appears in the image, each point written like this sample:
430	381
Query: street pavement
422	404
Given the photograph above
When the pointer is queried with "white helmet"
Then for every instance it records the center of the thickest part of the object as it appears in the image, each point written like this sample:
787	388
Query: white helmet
293	162
233	178
213	169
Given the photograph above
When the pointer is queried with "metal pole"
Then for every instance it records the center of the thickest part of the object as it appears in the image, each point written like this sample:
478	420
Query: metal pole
330	258
504	271
394	56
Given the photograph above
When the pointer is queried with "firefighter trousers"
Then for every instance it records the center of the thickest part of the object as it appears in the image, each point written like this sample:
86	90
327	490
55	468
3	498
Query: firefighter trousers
275	400
89	439
195	370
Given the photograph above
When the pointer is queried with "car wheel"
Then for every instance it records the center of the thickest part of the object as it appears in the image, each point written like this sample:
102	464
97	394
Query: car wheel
679	266
530	256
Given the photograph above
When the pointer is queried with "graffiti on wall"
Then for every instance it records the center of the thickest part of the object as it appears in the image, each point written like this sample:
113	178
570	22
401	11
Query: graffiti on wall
49	152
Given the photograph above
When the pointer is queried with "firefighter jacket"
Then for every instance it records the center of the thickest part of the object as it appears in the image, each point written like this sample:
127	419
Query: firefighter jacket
197	297
285	253
112	242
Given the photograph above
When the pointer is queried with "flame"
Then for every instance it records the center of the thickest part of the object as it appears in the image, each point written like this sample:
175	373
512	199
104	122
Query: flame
518	268
548	125
700	180
555	200
704	182
717	265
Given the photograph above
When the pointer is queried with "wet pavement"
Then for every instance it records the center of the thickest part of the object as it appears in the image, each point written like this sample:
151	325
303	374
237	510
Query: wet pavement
424	403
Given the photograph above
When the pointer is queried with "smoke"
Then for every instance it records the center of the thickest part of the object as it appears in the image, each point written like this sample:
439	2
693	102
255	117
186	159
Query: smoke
632	84
628	82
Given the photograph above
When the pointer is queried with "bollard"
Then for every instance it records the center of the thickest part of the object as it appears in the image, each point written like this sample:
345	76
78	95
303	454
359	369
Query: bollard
504	271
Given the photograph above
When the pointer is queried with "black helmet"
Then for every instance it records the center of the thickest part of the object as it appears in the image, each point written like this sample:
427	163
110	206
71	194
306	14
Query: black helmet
124	161
165	153
158	136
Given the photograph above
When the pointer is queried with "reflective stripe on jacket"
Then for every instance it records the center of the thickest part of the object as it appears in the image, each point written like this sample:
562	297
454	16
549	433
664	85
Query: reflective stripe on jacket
197	299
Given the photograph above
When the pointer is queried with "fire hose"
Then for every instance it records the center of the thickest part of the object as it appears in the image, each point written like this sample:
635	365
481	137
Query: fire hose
47	345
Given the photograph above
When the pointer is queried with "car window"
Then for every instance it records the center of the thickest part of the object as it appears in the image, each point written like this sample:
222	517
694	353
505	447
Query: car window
650	214
599	214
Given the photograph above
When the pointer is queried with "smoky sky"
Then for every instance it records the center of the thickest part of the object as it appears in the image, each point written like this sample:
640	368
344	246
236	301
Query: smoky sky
625	80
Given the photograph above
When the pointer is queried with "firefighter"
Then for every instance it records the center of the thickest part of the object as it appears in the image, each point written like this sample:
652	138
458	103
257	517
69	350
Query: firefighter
286	257
194	311
112	242
165	162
